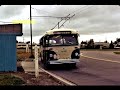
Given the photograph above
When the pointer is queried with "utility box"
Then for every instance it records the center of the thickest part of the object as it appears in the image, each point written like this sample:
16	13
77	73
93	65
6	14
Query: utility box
8	57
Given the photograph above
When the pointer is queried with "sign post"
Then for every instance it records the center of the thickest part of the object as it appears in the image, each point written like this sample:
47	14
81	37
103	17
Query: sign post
36	62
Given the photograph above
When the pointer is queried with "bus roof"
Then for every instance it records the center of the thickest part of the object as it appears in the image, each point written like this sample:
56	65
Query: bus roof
54	30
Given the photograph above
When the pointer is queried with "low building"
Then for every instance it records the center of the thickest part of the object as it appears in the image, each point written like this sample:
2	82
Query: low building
101	45
8	57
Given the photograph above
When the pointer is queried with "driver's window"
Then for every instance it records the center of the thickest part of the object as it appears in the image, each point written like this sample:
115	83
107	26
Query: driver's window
52	42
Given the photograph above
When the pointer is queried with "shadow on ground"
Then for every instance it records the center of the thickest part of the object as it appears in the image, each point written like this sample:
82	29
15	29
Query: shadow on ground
20	69
61	67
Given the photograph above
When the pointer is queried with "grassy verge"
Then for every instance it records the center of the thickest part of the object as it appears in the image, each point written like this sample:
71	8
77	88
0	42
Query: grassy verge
10	80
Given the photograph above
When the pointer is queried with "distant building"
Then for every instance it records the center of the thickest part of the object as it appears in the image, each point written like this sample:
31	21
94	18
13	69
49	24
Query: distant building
22	45
101	44
8	57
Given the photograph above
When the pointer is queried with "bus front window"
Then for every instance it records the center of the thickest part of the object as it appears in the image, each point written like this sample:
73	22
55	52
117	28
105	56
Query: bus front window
70	39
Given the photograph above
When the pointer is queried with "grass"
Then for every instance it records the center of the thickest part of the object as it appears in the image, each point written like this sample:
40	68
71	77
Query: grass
10	80
116	52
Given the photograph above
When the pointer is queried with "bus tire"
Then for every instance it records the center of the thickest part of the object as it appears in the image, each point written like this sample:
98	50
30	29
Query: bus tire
42	60
74	65
46	66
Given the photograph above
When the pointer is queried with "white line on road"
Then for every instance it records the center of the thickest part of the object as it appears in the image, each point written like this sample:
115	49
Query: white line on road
101	59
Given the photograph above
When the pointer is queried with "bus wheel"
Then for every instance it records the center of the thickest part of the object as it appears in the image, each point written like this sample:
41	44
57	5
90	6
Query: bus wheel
42	60
46	66
74	65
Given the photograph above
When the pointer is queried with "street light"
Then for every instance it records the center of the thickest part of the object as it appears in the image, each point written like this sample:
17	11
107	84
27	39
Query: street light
31	56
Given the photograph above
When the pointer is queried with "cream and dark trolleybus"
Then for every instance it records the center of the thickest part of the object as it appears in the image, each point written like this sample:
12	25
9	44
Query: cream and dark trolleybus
60	46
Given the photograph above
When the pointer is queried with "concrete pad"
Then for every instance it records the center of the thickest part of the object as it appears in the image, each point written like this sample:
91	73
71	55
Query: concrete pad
29	66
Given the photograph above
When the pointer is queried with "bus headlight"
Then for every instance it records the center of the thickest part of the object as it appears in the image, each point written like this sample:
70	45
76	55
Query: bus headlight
55	56
76	54
51	55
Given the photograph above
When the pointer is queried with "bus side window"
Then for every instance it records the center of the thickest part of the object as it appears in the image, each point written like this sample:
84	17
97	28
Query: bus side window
41	43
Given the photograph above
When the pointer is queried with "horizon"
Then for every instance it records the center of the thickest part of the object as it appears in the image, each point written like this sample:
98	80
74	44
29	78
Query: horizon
96	38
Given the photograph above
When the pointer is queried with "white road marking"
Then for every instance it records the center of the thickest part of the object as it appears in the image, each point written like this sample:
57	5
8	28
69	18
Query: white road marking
101	59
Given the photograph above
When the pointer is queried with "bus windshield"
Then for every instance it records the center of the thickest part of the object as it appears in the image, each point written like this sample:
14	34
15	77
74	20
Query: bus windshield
64	39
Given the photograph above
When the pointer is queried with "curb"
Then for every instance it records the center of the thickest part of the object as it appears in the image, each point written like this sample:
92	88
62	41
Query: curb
66	82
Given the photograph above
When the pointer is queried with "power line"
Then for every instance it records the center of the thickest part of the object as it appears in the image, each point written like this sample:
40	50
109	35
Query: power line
60	21
62	18
66	20
78	9
40	10
51	17
84	9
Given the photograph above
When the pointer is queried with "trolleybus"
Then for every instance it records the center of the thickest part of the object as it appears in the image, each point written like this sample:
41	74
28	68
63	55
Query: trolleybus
60	46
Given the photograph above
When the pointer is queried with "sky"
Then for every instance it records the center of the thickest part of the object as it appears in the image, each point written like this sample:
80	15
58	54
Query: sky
98	22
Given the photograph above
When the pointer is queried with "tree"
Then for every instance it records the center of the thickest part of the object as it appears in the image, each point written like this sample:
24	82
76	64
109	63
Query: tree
111	46
83	44
106	41
90	44
118	40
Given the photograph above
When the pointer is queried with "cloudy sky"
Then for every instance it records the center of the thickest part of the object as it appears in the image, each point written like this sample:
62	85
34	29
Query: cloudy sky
98	22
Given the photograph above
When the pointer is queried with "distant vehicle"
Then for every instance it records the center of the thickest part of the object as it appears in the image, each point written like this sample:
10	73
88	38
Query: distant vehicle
60	46
101	44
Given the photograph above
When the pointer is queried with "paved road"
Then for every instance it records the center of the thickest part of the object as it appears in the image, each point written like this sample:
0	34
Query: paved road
108	55
93	71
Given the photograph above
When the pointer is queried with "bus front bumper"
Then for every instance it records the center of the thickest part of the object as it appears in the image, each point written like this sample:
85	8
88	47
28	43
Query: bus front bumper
64	61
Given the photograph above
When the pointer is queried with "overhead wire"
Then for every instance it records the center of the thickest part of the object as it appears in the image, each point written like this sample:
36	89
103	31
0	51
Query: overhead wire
74	12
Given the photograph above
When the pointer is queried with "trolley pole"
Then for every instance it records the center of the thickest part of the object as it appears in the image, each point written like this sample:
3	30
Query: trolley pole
58	25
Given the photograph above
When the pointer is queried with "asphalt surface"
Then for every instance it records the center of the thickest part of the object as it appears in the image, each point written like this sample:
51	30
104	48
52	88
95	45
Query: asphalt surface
92	71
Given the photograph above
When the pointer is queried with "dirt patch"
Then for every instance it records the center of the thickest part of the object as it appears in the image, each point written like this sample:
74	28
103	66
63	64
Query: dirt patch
30	79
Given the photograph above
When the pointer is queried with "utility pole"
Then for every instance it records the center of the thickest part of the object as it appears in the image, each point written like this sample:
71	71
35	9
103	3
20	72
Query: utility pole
31	56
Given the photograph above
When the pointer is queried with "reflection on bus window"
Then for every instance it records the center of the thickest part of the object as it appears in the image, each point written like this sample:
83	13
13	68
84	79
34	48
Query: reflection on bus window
63	39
